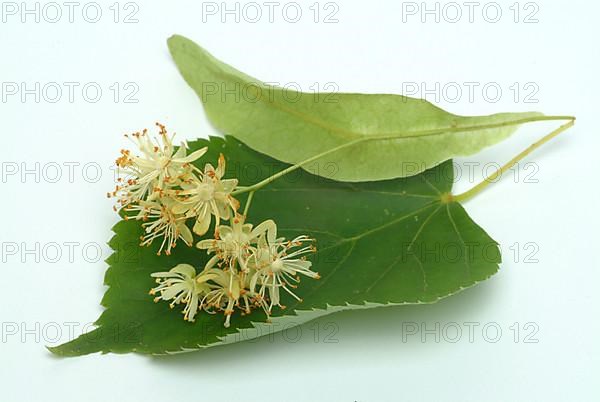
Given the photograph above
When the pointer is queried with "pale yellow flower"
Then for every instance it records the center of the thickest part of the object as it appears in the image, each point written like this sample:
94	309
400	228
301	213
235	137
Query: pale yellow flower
277	264
160	221
146	176
234	243
180	285
207	196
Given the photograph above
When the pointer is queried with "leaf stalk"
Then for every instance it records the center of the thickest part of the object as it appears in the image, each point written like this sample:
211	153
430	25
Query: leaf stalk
413	134
467	195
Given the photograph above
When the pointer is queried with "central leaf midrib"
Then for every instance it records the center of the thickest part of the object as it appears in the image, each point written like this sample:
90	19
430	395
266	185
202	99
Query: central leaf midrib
347	134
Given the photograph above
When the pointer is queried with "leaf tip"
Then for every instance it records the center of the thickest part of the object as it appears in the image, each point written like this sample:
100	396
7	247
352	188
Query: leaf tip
175	41
56	350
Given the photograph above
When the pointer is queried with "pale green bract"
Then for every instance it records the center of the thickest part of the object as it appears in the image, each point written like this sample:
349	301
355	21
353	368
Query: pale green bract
381	136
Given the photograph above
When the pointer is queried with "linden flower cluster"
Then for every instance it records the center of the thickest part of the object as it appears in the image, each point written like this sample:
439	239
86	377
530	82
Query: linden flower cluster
249	266
248	269
162	188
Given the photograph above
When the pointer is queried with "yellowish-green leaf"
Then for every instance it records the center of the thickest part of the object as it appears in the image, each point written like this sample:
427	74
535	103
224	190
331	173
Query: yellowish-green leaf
381	136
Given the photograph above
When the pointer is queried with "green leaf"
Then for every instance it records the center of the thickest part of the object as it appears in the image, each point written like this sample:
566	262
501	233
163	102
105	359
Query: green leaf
385	136
393	242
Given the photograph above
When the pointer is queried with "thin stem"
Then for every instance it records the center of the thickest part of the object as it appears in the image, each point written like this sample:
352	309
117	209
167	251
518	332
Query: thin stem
395	136
248	201
289	169
491	178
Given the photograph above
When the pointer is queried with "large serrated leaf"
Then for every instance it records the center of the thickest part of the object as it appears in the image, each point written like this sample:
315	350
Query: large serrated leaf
384	136
381	243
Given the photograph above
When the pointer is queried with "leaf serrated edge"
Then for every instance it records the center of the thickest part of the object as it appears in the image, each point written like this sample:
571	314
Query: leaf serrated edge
245	333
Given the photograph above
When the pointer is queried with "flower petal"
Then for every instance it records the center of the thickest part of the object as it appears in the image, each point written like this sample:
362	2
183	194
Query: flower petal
162	275
193	307
185	269
193	156
206	244
202	224
267	226
221	166
179	208
186	234
229	185
180	153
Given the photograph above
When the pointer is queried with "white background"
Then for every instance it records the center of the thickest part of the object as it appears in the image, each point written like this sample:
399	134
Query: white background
374	47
